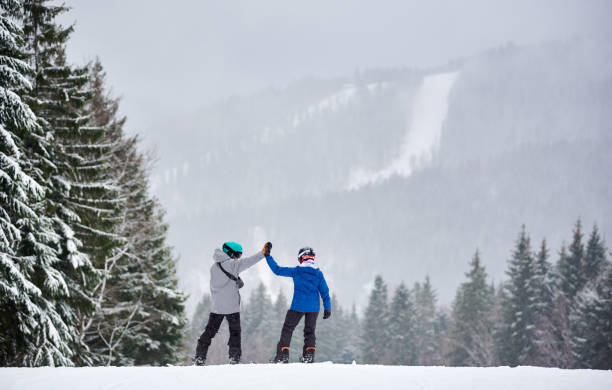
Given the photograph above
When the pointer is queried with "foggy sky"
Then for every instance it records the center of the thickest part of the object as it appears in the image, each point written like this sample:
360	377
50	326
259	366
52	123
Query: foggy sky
170	58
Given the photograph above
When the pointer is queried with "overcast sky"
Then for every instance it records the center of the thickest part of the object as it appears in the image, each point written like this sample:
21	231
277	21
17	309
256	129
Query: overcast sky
167	58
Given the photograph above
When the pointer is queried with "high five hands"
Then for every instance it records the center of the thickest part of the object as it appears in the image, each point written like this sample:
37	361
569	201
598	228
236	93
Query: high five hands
266	249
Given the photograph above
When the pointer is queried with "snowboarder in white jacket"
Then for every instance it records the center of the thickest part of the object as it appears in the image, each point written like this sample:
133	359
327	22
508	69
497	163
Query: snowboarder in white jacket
225	298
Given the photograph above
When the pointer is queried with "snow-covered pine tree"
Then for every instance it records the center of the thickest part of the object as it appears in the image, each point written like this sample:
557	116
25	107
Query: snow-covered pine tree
329	341
519	306
427	344
334	335
196	326
279	311
471	338
595	257
550	313
353	332
570	266
140	317
256	323
160	321
442	332
591	320
108	172
217	353
402	327
375	341
34	319
544	282
56	98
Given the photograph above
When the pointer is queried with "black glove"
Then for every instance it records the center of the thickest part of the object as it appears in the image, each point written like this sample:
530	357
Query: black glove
266	249
326	314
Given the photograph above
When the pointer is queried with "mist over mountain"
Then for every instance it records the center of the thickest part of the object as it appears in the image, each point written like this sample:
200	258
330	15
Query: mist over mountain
402	172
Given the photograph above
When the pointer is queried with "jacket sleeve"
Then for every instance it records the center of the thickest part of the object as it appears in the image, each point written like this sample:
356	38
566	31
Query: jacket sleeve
324	291
244	263
280	271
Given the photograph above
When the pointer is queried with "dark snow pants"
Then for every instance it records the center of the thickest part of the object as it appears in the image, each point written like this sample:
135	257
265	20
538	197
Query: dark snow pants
214	322
291	321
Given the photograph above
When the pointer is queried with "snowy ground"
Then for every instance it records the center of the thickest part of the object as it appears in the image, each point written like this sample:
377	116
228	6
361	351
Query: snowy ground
299	376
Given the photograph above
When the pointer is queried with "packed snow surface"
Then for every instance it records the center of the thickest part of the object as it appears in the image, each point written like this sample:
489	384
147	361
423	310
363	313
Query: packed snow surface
298	376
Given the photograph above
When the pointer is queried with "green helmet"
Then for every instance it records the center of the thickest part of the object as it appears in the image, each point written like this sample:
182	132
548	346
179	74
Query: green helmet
232	249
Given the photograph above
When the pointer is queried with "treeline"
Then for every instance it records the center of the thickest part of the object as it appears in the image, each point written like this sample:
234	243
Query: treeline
86	275
544	314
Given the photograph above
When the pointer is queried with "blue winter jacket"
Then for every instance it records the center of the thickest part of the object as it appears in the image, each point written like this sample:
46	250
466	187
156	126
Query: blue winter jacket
308	283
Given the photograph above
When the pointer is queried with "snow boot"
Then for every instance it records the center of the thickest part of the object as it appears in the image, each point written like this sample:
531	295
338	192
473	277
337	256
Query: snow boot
234	359
308	355
234	355
282	356
199	361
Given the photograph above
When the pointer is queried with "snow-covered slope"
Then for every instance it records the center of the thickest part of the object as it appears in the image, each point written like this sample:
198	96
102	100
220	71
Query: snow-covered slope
298	376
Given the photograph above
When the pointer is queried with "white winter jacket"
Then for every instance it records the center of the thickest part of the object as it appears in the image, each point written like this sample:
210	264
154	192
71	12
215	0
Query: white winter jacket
224	293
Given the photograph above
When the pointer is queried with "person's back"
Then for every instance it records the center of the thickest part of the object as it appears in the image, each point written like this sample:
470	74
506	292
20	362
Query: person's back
225	298
224	294
308	281
308	285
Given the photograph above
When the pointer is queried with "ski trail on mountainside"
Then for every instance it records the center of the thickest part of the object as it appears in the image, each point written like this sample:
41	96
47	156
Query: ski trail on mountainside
423	136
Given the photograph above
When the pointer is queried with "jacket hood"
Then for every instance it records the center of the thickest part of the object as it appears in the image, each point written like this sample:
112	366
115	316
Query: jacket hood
219	256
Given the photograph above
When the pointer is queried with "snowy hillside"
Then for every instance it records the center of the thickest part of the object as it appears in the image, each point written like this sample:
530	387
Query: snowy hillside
298	376
438	162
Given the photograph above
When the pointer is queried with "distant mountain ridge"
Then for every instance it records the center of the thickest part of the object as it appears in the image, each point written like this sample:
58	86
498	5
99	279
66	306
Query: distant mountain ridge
525	138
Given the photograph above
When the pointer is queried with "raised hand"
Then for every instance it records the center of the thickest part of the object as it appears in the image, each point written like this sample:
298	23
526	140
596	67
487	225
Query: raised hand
266	249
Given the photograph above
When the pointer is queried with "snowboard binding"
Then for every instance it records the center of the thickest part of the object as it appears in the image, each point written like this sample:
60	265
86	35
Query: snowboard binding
199	361
308	355
282	356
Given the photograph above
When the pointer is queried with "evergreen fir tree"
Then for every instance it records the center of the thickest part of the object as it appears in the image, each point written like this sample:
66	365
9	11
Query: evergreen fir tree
140	308
595	257
279	311
158	335
570	266
544	288
375	340
257	322
197	324
34	317
350	352
442	332
402	327
519	306
544	280
57	98
553	328
331	334
591	320
472	320
425	299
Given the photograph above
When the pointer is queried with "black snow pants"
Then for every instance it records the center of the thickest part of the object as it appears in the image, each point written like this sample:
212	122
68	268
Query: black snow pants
291	321
214	322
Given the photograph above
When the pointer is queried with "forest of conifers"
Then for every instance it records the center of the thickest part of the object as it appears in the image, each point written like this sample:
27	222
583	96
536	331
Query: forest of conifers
86	277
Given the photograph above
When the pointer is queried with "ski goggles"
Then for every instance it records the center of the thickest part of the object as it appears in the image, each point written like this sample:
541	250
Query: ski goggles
307	257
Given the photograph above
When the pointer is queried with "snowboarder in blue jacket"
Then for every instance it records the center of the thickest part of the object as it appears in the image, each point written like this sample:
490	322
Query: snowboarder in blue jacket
308	284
